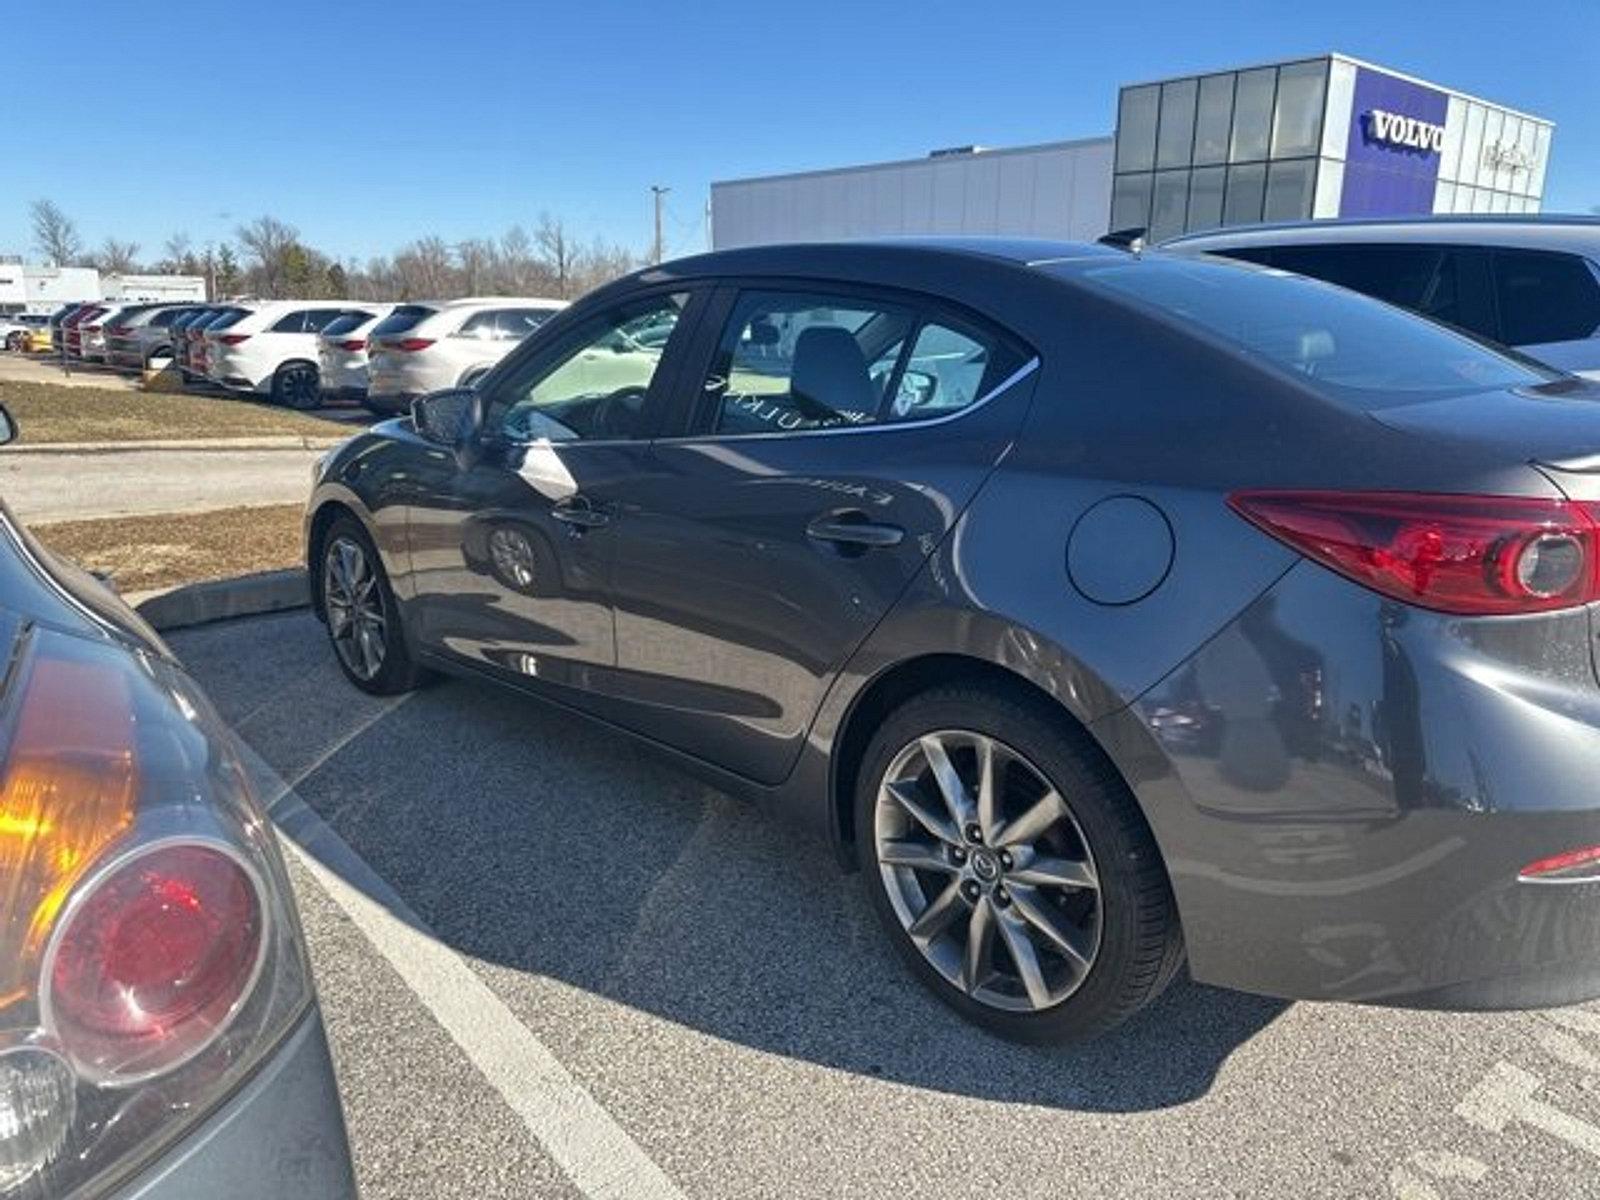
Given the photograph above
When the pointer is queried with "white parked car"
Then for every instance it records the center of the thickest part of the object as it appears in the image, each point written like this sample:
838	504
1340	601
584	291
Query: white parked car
342	352
272	349
453	346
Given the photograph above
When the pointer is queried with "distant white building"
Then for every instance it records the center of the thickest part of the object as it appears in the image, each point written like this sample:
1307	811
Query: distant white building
1056	190
33	288
139	288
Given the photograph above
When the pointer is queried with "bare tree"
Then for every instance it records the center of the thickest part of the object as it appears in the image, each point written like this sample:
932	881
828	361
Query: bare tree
556	252
117	257
425	269
55	235
272	243
475	259
516	270
178	250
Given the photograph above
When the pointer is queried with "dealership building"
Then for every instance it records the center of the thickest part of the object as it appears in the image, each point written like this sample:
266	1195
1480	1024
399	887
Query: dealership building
25	287
1318	137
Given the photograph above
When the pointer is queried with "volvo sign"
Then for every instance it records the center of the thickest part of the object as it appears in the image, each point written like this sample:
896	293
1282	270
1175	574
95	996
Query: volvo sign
1395	129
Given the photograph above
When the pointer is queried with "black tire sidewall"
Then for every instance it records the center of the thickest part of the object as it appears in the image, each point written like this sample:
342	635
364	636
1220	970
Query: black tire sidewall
1098	800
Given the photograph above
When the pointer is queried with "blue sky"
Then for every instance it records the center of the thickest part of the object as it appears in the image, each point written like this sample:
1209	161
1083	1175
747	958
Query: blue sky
367	124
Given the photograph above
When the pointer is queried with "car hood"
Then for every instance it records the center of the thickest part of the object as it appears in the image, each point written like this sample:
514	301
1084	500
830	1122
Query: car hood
1555	425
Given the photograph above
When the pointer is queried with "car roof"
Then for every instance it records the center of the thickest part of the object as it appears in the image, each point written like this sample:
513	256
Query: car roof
1480	229
780	257
492	302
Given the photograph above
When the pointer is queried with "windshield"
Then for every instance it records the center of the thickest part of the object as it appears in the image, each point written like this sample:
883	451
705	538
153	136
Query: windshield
1347	345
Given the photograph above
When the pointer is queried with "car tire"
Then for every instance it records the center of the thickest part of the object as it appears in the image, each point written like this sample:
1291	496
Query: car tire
353	594
1116	915
295	385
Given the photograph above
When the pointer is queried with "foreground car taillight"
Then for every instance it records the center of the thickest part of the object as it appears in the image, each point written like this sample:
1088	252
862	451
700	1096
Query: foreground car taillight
233	339
149	953
410	345
1465	555
352	344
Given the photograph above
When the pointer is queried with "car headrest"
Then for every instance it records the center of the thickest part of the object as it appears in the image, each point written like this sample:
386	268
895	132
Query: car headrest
830	370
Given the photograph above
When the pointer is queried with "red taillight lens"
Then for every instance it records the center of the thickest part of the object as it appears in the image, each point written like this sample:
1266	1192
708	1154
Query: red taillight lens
411	345
153	959
353	344
1467	555
233	339
119	330
1570	865
92	328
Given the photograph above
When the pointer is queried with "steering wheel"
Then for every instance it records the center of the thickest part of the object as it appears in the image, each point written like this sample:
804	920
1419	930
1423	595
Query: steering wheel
617	414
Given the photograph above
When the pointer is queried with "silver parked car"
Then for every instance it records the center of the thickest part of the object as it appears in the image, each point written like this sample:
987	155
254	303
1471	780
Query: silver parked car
132	339
159	1035
1528	282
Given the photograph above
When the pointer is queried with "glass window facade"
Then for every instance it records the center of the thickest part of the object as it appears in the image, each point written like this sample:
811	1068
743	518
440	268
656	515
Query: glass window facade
1321	137
1224	149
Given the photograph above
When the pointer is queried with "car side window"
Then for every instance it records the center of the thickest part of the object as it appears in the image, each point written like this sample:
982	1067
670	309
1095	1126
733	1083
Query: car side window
793	362
319	319
517	323
294	322
592	384
1545	297
482	326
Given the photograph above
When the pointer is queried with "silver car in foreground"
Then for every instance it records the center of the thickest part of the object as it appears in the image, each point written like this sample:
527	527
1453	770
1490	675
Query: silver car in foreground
159	1035
1528	282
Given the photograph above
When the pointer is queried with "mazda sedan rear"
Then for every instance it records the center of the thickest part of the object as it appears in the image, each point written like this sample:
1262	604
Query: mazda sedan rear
1106	610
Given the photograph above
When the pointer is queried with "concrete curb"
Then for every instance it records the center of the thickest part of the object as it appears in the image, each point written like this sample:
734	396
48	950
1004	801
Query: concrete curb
222	599
241	443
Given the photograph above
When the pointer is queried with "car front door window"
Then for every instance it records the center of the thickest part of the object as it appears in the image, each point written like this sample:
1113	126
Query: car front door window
593	386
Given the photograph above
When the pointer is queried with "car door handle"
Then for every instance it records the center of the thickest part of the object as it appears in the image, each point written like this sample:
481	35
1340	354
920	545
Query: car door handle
580	515
854	529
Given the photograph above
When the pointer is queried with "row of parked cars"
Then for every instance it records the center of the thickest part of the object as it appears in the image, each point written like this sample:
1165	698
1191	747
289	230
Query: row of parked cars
298	353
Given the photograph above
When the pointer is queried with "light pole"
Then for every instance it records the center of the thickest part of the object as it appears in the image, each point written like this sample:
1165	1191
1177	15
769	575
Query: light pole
659	193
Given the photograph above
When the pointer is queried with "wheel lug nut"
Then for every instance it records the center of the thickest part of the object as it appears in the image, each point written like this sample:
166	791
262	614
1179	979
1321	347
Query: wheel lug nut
1005	859
969	889
975	835
958	855
1002	897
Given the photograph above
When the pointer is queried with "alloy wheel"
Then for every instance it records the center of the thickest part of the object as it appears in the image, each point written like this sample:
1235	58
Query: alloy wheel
354	607
299	387
987	870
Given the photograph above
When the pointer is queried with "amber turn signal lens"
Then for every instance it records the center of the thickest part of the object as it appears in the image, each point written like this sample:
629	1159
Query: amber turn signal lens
70	785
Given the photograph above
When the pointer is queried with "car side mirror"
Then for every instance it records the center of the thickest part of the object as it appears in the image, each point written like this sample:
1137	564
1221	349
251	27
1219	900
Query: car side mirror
448	418
8	427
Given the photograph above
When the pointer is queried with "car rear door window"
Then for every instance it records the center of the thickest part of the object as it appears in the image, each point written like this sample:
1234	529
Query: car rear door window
1545	297
484	326
294	322
794	362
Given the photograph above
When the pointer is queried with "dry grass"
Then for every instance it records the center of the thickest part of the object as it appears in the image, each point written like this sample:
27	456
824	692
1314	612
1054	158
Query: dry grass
47	413
172	548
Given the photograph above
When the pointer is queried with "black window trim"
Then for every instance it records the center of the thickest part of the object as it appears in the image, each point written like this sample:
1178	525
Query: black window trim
927	308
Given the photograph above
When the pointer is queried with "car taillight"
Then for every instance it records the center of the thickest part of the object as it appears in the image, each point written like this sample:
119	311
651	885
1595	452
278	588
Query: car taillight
1465	555
152	961
411	345
1570	866
92	328
353	344
119	330
149	953
233	339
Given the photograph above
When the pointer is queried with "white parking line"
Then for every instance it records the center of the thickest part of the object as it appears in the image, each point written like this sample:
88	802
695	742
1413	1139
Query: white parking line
579	1135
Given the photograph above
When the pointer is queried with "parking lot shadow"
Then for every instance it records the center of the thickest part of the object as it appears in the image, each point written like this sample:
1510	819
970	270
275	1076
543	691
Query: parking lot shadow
525	837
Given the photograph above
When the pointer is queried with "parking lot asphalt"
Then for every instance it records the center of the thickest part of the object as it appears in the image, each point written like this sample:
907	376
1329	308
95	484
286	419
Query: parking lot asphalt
549	951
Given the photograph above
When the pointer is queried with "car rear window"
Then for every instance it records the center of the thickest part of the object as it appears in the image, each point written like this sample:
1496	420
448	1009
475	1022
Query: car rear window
1341	343
224	319
345	323
403	319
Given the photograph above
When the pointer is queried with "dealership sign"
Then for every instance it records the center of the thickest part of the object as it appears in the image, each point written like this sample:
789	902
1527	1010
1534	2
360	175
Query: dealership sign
1396	129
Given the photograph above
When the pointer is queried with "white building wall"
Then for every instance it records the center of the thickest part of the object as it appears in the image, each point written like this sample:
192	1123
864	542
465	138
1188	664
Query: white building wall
1060	190
35	288
140	288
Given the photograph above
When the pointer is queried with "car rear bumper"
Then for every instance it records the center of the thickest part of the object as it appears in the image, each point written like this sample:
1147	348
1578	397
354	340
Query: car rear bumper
282	1134
1346	789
